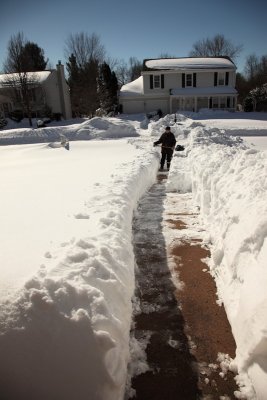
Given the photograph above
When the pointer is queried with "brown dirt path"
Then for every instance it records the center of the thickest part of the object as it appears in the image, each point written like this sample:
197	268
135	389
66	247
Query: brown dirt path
187	328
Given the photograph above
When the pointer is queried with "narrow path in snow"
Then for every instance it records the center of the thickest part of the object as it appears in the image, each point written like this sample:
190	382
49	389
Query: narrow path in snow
186	328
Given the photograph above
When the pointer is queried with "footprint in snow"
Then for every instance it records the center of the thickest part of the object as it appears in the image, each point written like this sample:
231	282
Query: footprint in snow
81	216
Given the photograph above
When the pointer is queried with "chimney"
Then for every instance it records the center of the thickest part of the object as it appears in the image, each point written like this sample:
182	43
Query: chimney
61	79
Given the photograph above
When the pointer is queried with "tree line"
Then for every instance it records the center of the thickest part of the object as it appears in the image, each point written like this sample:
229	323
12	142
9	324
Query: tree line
252	83
94	78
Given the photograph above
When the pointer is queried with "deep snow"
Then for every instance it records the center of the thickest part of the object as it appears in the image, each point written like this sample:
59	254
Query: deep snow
67	263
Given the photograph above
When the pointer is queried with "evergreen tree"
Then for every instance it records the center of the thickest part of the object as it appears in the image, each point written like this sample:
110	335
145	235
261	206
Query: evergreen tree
89	79
83	86
257	95
242	87
107	88
33	57
75	84
84	53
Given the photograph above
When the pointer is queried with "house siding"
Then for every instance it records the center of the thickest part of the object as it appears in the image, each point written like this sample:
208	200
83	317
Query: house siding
204	79
57	95
176	95
52	91
146	105
174	81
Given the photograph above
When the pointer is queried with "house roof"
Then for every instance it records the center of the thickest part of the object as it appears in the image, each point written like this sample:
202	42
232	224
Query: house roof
134	88
199	91
188	63
38	76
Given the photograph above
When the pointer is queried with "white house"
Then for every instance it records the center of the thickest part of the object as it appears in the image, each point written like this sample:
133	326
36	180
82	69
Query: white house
181	84
49	89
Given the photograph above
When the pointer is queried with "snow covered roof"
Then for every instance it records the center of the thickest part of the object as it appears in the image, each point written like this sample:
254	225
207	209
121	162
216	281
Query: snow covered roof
38	76
189	63
133	88
198	91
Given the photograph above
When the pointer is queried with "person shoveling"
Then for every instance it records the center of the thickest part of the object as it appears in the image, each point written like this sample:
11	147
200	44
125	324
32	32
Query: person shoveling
167	141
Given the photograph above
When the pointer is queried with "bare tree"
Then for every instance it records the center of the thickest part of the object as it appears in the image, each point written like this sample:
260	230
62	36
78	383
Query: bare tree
14	62
166	55
128	72
251	68
122	72
19	81
200	49
215	47
84	48
135	68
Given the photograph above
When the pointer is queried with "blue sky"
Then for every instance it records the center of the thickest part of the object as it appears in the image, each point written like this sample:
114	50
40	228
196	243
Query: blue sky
139	28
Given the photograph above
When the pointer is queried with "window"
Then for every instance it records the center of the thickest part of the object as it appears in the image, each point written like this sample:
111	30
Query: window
188	80
221	79
223	102
157	81
215	102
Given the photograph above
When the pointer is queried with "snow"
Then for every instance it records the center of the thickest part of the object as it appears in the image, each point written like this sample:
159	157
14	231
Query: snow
204	91
39	76
135	87
190	63
67	262
95	128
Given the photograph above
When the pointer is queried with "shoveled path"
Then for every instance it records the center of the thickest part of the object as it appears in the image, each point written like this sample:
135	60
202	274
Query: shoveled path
187	329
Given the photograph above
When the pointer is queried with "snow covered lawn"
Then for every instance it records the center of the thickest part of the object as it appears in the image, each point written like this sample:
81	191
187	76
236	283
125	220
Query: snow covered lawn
66	235
67	264
49	198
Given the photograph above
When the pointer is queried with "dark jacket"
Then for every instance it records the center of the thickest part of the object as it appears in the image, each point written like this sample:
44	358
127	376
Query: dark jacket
167	140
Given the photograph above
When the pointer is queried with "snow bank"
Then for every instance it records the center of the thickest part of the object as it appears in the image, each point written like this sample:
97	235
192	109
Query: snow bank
95	128
65	334
105	128
228	181
234	124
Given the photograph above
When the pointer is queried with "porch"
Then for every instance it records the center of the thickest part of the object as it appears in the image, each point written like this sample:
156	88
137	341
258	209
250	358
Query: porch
194	99
195	103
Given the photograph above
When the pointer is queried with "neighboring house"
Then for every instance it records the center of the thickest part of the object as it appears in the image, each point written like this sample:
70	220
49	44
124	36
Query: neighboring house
49	90
181	84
